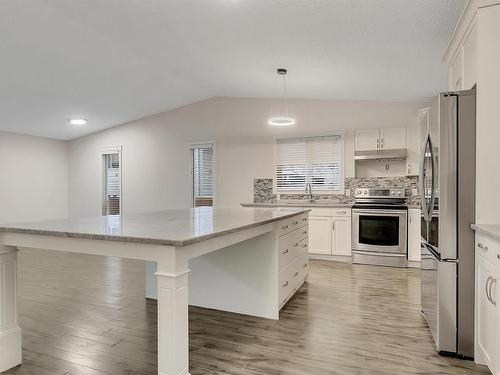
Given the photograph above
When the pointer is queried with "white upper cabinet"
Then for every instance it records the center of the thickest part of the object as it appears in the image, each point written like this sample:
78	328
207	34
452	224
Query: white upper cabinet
366	139
380	139
391	139
455	72
469	55
462	67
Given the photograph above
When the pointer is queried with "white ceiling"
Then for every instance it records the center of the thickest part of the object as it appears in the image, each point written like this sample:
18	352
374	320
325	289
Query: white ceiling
115	61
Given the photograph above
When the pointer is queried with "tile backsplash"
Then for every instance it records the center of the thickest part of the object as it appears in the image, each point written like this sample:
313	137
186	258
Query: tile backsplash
263	189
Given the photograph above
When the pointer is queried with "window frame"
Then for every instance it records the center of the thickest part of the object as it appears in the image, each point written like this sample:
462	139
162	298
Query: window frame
203	144
106	151
341	190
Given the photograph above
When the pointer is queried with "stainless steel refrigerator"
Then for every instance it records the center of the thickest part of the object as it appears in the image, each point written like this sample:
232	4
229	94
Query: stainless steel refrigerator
447	191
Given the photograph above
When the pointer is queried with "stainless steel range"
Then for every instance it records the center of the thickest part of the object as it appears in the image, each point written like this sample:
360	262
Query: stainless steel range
379	227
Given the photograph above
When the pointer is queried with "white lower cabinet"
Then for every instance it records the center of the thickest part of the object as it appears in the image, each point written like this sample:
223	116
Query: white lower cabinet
487	320
341	236
414	234
320	235
486	312
293	248
330	231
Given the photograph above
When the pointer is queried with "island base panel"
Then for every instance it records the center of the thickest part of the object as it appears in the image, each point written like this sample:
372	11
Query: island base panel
10	332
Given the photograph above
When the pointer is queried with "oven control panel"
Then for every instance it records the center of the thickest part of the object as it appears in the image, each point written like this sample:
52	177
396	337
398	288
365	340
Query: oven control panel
379	193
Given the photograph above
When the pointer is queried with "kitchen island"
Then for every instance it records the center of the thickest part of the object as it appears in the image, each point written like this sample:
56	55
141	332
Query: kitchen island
245	260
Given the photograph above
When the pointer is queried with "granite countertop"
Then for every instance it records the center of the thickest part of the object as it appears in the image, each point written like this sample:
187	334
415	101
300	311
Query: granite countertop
171	227
490	230
299	204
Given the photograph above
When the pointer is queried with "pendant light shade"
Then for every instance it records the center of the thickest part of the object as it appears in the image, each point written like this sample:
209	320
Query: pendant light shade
285	119
281	121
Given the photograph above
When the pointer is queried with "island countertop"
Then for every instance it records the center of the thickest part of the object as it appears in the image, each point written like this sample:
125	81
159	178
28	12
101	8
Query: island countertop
179	227
490	230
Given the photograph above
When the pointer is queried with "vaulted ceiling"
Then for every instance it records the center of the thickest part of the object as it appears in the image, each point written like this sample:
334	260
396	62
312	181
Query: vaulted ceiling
115	61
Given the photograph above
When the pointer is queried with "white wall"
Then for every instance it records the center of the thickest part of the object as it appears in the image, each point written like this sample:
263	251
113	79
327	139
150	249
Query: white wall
34	175
155	169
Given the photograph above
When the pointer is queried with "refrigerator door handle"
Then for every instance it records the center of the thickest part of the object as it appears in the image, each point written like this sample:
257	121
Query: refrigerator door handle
428	208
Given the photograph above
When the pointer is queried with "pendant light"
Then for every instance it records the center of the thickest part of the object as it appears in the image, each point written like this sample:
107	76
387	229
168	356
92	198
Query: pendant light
284	120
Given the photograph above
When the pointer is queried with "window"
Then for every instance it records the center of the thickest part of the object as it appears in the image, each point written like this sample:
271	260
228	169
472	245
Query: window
202	174
314	160
111	185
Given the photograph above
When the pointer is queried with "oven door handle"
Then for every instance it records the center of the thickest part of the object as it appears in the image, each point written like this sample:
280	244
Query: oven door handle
376	212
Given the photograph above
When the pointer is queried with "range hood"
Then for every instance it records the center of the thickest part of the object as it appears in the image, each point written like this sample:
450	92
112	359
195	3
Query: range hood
374	155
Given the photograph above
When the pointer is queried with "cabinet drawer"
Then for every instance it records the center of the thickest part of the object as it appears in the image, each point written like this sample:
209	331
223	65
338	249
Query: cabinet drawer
341	212
288	247
288	225
303	248
287	278
488	248
320	211
304	267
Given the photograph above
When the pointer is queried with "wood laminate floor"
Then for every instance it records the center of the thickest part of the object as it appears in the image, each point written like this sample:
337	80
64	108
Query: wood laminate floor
87	315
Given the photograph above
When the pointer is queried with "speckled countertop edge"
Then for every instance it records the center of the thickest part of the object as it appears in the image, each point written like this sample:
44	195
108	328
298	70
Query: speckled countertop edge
490	230
295	205
146	240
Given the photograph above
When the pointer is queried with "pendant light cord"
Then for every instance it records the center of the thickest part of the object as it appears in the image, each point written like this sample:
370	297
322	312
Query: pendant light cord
286	95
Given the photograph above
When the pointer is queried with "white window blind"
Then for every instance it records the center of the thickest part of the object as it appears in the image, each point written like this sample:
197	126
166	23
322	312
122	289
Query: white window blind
111	184
202	158
314	160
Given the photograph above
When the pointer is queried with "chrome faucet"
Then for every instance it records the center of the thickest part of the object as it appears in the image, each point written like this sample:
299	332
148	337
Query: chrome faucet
309	191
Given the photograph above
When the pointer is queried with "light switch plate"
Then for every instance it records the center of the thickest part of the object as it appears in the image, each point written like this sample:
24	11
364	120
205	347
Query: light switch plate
414	192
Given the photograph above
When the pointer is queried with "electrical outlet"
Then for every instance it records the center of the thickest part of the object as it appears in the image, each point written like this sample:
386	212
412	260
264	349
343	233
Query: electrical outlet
348	192
414	192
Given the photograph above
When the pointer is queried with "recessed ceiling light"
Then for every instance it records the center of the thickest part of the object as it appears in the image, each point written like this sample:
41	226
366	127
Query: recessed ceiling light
77	121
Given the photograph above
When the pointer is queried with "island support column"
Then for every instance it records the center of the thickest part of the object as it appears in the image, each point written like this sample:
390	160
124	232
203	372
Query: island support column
173	320
10	332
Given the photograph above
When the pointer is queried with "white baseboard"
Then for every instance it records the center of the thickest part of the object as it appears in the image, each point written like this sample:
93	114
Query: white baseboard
333	258
348	259
413	264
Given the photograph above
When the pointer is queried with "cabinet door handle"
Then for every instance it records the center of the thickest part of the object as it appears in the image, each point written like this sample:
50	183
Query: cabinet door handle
305	265
285	252
304	219
481	246
333	225
304	245
285	227
295	222
305	232
487	290
296	274
493	281
296	245
285	284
